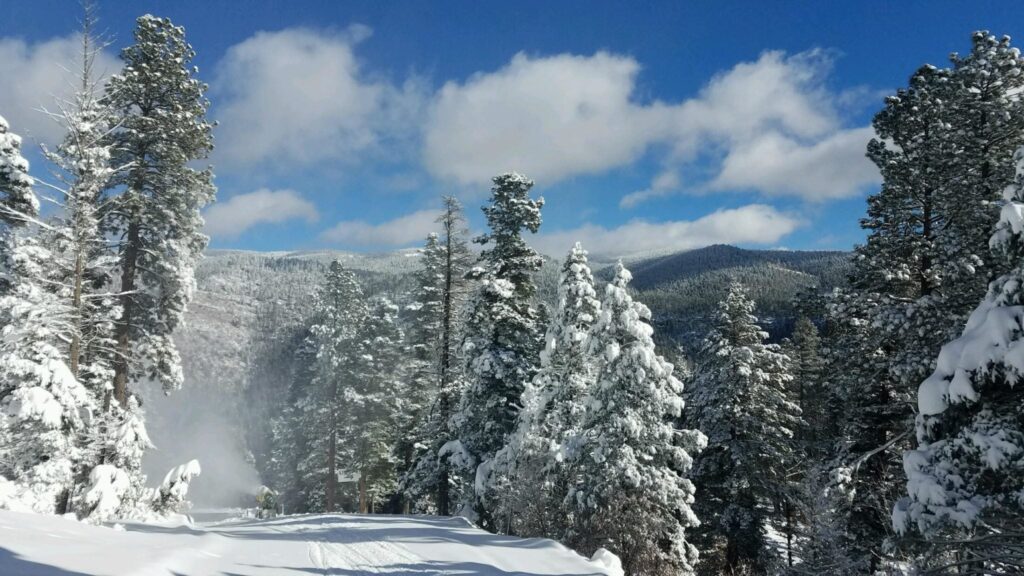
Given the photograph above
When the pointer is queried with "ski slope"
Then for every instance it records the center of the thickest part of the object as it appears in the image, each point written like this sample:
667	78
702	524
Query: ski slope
342	545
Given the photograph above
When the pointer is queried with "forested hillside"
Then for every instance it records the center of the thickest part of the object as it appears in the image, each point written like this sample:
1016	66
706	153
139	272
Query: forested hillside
683	289
245	327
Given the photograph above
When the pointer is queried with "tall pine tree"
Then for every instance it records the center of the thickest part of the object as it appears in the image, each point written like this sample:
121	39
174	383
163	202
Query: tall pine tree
942	149
502	340
340	309
740	398
441	295
155	217
532	476
42	404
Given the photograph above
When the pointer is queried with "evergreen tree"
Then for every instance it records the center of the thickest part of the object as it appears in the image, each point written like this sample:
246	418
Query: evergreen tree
42	404
83	165
740	399
418	473
18	203
340	309
942	148
502	340
297	476
822	542
531	480
81	261
633	495
440	298
162	131
368	401
988	115
807	365
457	260
966	477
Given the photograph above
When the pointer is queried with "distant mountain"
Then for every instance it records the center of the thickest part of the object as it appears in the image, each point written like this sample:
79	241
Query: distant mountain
663	270
683	289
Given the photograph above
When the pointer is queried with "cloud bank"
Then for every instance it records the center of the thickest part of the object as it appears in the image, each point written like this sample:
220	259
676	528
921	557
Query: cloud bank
562	116
403	231
751	224
297	97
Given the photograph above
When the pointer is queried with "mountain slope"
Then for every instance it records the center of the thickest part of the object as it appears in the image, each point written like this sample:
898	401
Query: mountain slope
683	289
663	270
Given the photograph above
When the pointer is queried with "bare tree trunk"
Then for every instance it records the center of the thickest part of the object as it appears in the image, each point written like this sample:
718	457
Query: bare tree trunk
332	470
128	269
364	506
443	497
75	348
789	533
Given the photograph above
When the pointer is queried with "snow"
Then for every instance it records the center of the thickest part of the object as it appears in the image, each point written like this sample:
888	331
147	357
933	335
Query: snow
37	545
608	561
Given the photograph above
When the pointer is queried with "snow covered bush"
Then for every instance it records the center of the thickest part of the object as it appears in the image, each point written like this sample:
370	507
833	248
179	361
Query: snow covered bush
108	486
171	496
965	480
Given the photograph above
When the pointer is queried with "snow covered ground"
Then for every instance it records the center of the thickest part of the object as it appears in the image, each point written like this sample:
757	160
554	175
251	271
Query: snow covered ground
340	545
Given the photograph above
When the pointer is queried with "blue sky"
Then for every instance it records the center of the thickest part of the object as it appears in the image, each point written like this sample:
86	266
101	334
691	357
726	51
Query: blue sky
646	126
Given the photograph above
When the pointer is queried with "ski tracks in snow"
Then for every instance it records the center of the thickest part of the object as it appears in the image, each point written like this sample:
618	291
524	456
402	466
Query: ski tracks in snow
351	556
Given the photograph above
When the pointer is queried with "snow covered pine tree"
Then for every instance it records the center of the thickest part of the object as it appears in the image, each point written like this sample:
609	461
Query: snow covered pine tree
81	259
441	294
502	340
943	150
966	478
740	398
633	496
340	308
163	131
533	471
41	402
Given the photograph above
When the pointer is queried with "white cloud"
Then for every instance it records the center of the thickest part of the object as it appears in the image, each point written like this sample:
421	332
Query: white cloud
239	213
776	93
550	118
402	231
561	116
663	184
751	224
34	75
835	167
299	96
